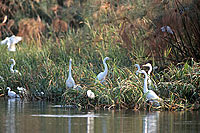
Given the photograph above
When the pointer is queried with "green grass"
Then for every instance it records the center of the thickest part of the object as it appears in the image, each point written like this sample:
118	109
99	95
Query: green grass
46	69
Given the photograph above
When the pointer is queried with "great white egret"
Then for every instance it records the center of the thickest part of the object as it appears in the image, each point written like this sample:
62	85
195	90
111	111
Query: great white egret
150	95
138	67
12	94
90	94
11	67
11	41
70	81
102	75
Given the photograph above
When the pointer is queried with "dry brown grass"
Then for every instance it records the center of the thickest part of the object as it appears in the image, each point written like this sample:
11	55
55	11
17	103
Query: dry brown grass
68	3
31	29
59	25
184	22
126	34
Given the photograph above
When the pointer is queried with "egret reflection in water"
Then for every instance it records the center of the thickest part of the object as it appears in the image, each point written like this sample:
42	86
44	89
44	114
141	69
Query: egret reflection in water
150	122
90	123
35	117
14	105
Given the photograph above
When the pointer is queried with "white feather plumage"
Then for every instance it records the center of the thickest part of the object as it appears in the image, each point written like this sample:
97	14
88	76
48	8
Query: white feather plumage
149	74
70	83
102	75
138	67
11	67
12	94
150	95
11	41
90	94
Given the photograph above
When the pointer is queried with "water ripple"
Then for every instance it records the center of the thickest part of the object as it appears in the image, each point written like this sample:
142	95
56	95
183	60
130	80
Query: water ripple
66	116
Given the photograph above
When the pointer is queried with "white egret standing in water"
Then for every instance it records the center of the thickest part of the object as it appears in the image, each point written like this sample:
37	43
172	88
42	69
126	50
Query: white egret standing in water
102	75
70	81
12	94
11	41
138	67
150	94
11	67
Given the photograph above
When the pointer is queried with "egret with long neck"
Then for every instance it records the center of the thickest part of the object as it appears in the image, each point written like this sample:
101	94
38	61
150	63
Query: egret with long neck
70	81
150	68
150	95
102	75
149	74
12	94
11	67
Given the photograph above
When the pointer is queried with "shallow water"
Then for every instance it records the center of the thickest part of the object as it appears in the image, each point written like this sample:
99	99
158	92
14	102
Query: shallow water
23	117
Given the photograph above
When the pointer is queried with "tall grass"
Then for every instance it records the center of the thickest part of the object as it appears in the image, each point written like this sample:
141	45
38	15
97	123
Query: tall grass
46	71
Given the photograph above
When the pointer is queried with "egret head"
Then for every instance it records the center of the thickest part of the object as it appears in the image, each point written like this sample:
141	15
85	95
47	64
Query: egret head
156	67
107	58
147	65
8	88
70	60
138	66
12	60
142	71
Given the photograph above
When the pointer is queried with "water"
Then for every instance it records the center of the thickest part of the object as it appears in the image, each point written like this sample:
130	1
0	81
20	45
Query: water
23	117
